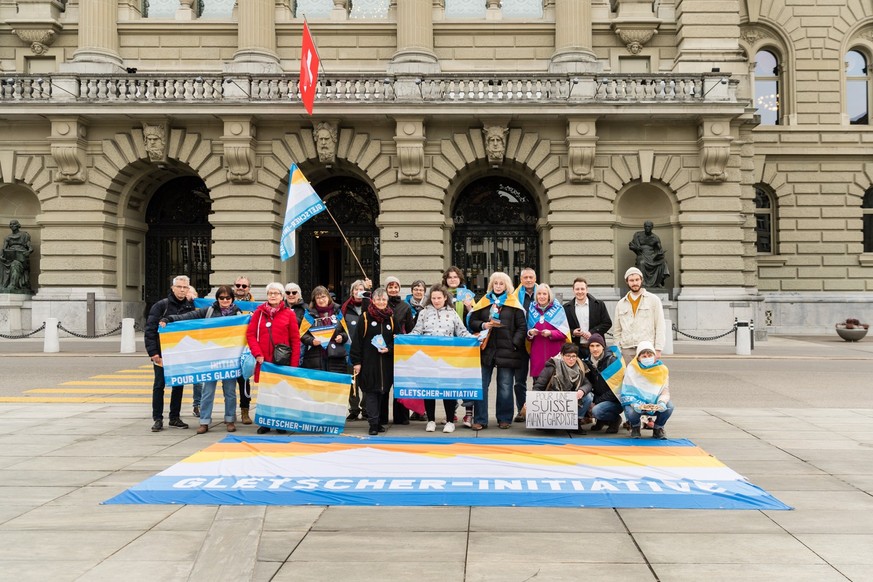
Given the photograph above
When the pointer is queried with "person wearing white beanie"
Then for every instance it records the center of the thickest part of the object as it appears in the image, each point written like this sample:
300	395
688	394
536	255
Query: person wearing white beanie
639	316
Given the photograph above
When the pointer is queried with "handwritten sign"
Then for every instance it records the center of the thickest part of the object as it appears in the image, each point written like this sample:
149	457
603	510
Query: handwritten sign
557	410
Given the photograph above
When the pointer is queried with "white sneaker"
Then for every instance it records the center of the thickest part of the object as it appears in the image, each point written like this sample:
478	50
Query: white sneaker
450	427
431	426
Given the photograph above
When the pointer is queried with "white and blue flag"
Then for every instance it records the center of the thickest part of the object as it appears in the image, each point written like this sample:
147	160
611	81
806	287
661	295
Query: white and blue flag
303	204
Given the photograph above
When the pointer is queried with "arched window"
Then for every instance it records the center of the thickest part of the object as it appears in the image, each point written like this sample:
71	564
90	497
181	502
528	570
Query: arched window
867	215
767	87
765	221
857	88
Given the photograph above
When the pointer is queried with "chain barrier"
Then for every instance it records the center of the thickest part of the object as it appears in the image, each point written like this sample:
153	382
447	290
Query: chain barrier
24	335
84	336
705	339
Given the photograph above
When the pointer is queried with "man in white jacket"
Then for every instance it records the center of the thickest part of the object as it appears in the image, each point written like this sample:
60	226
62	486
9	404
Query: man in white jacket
639	316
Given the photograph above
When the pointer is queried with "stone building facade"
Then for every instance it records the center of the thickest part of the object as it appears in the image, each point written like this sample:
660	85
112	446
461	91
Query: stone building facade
142	141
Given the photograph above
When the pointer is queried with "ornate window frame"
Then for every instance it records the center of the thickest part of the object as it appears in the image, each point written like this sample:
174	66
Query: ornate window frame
763	36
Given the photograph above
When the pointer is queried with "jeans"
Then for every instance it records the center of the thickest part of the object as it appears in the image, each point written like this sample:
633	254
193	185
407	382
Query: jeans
520	387
208	400
158	397
505	377
660	417
607	411
198	391
585	404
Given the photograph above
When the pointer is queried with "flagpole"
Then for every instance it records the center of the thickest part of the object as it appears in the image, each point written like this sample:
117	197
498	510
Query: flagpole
348	244
315	46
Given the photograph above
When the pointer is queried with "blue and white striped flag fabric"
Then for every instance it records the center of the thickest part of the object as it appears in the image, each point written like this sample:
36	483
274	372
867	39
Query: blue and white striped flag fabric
303	204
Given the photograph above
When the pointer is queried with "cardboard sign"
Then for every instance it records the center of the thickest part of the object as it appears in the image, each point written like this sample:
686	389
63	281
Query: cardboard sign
557	410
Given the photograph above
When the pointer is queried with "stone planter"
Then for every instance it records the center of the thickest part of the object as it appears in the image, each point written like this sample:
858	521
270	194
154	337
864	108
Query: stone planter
851	335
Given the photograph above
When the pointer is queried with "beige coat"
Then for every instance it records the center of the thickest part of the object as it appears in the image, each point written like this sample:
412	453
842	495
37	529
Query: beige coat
628	330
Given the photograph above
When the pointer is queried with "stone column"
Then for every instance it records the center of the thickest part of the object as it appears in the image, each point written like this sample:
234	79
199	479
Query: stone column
98	38
573	52
414	38
256	39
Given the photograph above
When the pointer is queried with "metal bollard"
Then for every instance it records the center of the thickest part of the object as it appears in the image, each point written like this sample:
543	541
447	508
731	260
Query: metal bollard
128	336
744	339
51	344
668	338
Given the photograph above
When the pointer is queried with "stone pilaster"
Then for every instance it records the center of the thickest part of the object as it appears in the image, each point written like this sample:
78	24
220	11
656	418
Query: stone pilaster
98	38
414	38
256	39
708	33
245	223
573	52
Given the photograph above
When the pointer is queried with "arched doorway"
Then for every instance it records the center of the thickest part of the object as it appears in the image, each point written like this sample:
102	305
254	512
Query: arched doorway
324	256
495	230
179	237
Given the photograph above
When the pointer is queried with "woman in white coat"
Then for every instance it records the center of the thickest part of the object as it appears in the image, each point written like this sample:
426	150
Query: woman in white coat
439	318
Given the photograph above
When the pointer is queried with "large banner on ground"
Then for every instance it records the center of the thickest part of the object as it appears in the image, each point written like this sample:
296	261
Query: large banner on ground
437	367
535	472
302	400
203	350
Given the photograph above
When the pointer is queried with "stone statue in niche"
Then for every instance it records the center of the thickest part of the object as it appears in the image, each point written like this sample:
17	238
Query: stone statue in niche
15	261
651	259
325	142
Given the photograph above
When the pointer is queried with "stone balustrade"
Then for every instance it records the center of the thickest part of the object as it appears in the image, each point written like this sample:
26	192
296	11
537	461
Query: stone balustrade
449	88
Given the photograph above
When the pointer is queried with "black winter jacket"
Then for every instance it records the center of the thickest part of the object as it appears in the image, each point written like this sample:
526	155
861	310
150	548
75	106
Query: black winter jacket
403	317
598	317
377	370
163	308
505	347
602	392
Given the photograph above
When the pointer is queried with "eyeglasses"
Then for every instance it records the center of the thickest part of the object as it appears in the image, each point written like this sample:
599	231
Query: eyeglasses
225	298
240	286
290	292
273	293
570	356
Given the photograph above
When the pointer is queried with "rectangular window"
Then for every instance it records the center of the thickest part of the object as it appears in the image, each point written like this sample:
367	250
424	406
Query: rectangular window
465	8
314	8
522	8
857	101
217	9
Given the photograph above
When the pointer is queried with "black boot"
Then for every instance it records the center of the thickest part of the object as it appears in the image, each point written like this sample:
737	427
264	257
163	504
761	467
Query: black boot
635	432
598	426
613	426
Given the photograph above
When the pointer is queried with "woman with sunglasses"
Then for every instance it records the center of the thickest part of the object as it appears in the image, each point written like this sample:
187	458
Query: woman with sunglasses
294	300
223	307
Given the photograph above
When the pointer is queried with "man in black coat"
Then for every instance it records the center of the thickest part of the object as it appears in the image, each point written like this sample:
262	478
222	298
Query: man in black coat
585	315
174	304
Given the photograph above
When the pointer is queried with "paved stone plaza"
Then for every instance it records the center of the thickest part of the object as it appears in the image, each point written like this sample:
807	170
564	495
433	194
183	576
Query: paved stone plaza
796	418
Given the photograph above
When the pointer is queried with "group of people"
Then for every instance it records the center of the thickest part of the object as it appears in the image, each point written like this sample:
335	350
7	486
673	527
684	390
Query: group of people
524	332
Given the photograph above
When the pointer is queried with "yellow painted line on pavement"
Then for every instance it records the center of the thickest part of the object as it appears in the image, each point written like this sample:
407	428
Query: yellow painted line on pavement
136	371
93	391
104	383
121	377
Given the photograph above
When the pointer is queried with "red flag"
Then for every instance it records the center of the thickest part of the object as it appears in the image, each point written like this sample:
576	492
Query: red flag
308	69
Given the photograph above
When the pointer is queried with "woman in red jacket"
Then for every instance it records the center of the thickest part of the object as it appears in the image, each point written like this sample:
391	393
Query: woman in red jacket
273	323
